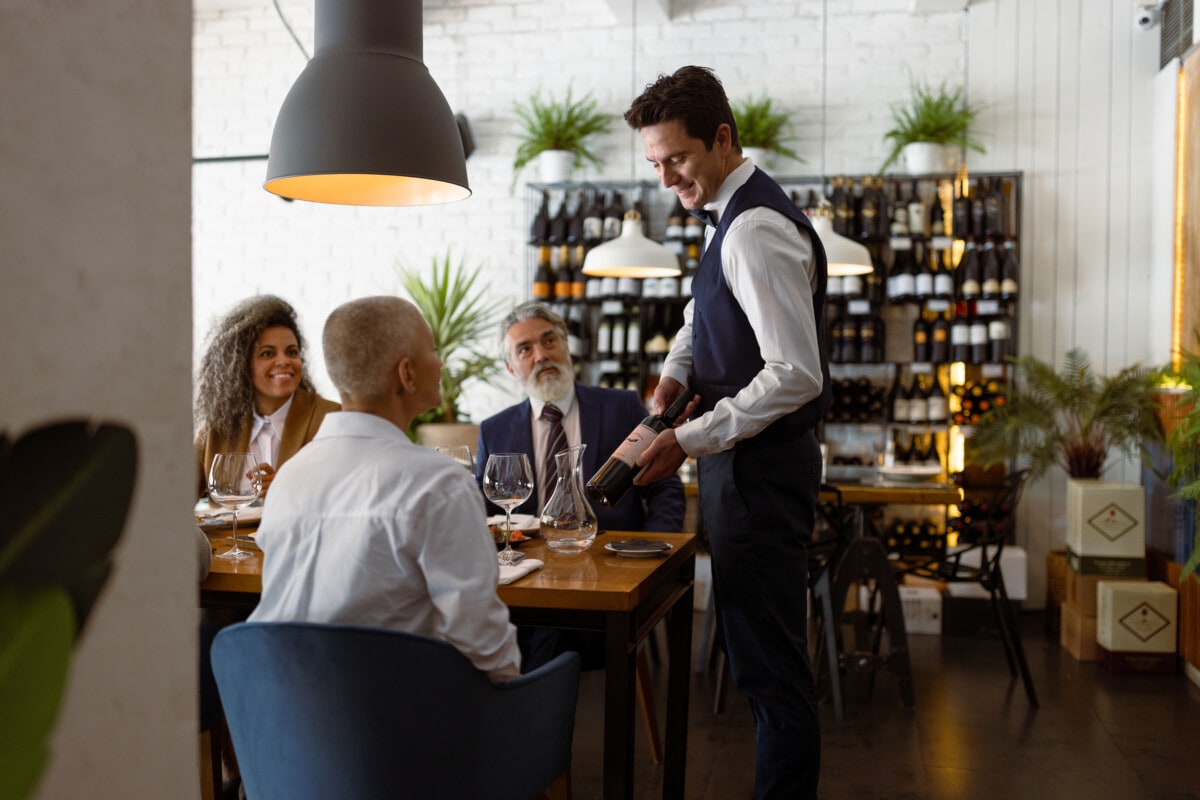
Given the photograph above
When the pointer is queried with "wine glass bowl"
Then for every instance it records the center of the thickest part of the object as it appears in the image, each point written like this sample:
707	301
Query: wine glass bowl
460	453
234	482
507	482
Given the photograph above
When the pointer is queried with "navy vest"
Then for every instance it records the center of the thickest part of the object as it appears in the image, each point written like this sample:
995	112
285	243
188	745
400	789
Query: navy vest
725	352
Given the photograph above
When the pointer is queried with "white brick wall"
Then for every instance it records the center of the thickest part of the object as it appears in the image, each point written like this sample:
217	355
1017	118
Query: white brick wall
485	56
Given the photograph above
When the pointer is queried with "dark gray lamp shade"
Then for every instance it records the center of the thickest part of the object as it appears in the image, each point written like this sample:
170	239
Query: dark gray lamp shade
365	124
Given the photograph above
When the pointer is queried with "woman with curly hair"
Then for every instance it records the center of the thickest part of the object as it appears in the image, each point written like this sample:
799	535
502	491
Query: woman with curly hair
252	395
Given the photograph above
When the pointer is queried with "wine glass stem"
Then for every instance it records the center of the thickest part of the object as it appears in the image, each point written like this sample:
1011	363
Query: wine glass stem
508	534
235	539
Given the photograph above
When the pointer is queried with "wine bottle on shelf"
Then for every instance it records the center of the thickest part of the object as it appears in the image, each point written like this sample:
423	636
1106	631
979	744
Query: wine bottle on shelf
614	215
615	477
576	341
833	326
617	342
999	339
920	339
943	278
989	286
543	278
690	265
558	224
1010	272
918	403
693	231
960	213
960	339
870	346
979	340
843	209
916	212
898	400
937	403
937	215
978	212
539	229
850	344
868	211
579	280
633	335
901	286
593	220
994	205
970	286
939	339
923	279
604	334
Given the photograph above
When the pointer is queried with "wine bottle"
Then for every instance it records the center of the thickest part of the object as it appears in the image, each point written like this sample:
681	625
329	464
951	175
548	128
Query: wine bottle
614	215
939	340
869	351
937	216
615	478
850	344
539	229
593	221
978	211
918	402
900	401
1010	272
943	278
901	285
938	404
972	280
999	336
960	339
543	279
923	279
990	284
960	213
868	211
843	209
920	339
916	212
994	203
979	340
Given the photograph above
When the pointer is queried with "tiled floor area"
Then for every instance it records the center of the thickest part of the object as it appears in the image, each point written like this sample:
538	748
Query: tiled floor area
972	735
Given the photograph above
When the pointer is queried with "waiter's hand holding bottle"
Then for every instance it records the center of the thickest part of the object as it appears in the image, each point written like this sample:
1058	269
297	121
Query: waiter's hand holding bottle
664	455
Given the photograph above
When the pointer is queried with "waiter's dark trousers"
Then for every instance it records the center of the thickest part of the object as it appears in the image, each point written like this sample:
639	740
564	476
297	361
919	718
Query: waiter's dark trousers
759	503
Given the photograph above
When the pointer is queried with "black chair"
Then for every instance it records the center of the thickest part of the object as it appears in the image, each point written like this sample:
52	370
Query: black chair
320	711
977	560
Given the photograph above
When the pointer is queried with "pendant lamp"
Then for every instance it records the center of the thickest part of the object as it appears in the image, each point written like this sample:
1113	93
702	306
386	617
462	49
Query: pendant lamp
843	256
365	124
631	255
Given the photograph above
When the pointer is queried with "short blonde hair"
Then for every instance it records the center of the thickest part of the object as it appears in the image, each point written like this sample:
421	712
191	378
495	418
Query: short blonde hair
365	339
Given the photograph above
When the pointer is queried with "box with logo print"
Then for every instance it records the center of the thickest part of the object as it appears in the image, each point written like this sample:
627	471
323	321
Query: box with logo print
1106	528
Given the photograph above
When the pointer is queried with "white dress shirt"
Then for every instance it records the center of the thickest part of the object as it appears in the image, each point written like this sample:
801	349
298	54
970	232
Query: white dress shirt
261	452
364	527
768	265
541	431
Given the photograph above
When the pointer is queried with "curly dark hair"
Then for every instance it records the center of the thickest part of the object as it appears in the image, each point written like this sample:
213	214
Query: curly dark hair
224	388
692	96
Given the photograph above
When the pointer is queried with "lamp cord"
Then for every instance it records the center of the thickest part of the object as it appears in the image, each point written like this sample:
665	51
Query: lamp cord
283	18
824	69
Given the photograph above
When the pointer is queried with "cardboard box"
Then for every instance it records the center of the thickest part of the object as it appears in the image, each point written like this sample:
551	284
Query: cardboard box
922	609
1078	635
1139	663
1082	594
1106	531
1012	565
1137	617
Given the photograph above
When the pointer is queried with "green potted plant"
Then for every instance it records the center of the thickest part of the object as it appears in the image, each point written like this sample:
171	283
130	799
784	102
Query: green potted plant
933	120
763	129
558	126
464	323
1072	419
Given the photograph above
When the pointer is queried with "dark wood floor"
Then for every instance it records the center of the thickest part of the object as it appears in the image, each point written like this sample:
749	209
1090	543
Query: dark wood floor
972	735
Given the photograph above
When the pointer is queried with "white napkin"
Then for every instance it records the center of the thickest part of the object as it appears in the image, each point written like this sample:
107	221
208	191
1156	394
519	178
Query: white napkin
518	570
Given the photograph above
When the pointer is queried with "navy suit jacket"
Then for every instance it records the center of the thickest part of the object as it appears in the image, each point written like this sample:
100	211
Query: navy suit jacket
606	416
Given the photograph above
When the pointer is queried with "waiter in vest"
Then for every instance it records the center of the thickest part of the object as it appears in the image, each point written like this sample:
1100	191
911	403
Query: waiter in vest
753	340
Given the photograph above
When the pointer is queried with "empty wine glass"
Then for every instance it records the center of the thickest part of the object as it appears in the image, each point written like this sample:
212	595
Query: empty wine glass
460	453
234	482
507	482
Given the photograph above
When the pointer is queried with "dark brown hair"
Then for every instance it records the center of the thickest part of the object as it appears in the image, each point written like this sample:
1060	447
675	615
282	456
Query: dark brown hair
692	96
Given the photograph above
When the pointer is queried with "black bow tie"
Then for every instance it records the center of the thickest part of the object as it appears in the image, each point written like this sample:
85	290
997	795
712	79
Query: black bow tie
705	215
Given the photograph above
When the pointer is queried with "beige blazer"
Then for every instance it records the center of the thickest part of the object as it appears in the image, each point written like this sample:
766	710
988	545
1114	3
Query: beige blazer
303	419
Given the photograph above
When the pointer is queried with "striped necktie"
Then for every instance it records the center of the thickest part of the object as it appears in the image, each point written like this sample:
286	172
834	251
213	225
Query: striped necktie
556	440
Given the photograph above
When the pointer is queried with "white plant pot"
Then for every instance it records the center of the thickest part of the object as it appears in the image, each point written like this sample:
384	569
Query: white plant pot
760	156
554	166
926	158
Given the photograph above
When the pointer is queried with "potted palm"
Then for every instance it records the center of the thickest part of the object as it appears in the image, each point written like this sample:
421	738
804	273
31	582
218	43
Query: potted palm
462	319
763	130
557	132
928	127
1073	419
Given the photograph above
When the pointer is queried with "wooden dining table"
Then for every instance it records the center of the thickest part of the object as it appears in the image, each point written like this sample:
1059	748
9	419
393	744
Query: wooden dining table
595	590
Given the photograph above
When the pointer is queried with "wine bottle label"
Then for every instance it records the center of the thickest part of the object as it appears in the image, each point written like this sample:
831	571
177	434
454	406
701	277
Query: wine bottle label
834	286
650	287
979	333
960	334
634	445
970	288
943	284
998	329
851	285
991	286
608	286
1008	287
628	287
905	285
938	409
667	287
923	284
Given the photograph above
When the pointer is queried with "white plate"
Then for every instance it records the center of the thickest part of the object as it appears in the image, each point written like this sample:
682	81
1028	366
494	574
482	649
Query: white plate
521	522
209	515
910	473
638	553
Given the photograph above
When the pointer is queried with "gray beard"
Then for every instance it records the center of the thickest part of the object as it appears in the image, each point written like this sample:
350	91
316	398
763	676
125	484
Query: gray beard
553	390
